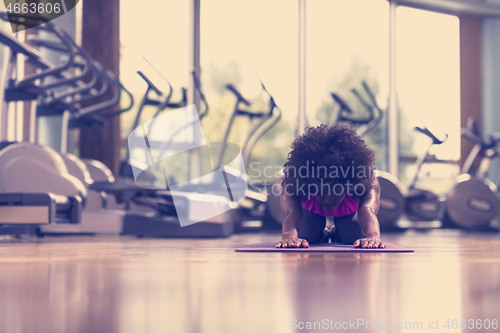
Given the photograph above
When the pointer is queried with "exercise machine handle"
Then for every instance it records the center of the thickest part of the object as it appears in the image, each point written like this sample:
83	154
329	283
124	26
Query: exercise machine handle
103	105
51	28
75	103
267	121
81	82
352	120
373	100
83	63
365	104
341	102
127	92
150	84
16	46
235	91
472	137
471	133
272	103
251	114
427	132
371	95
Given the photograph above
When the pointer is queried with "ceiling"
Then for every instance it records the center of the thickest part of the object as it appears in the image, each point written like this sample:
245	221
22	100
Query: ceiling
459	7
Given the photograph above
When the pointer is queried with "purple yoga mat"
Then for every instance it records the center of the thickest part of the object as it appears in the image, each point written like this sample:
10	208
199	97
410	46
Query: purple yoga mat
270	247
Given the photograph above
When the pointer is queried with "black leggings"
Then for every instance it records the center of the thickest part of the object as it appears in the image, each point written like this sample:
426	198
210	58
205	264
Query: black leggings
313	225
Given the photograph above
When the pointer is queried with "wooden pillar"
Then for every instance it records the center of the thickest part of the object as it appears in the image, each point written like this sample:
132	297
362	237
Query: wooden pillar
470	75
101	40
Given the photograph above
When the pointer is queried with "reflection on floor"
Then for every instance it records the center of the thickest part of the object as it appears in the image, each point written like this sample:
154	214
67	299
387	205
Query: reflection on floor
103	284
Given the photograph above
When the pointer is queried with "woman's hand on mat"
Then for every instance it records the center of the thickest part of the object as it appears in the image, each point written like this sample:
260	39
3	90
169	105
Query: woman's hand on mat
292	241
372	242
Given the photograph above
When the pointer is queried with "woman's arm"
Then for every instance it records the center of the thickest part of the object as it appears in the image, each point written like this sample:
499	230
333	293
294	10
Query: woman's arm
367	218
292	208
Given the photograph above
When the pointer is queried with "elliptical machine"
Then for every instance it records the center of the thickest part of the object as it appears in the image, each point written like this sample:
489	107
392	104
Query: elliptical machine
36	187
392	201
224	224
250	213
254	211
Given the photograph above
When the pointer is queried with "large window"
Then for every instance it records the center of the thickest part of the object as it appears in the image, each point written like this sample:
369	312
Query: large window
347	43
158	32
242	41
428	87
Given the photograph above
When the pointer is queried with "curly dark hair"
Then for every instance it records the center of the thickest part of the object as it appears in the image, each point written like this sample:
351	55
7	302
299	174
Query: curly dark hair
333	156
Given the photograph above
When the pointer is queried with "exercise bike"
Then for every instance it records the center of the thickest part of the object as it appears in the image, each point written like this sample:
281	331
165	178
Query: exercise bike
419	204
472	202
422	205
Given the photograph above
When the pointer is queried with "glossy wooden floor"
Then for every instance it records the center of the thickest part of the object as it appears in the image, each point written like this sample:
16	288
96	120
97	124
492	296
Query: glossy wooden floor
118	284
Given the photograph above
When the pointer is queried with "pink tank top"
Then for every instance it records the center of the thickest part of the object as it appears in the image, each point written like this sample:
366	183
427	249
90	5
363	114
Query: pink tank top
346	207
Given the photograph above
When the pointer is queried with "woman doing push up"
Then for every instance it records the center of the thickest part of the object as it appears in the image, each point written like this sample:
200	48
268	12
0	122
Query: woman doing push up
330	172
